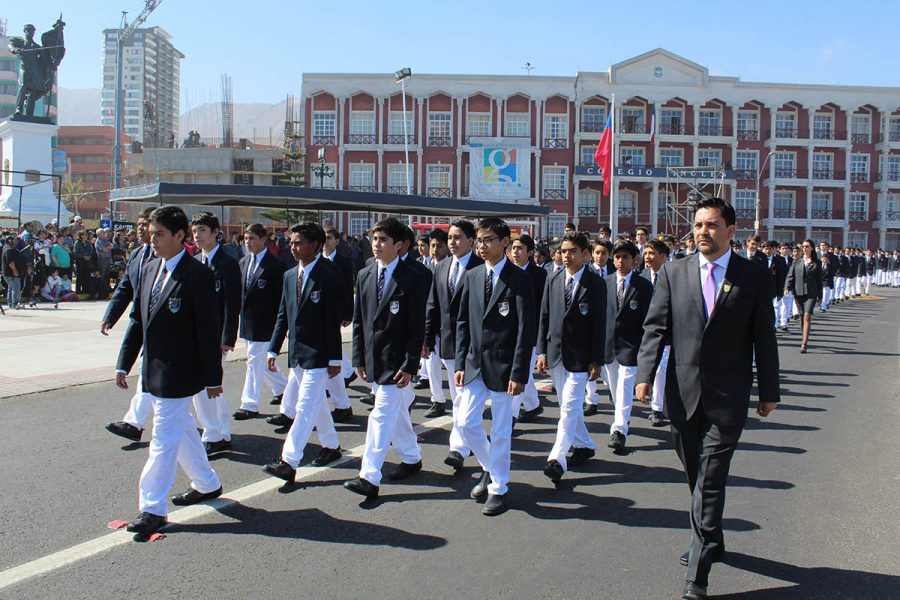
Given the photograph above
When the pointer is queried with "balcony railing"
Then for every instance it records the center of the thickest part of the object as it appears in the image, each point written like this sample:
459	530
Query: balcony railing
440	141
828	174
323	140
393	138
362	188
593	127
860	138
631	127
859	215
887	216
748	134
745	213
556	143
784	213
712	130
438	192
627	211
787	173
889	176
790	133
587	211
829	134
821	213
553	194
470	137
894	136
398	189
361	138
859	178
671	129
745	174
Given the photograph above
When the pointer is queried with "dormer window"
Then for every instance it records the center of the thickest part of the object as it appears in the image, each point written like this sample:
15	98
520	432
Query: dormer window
658	71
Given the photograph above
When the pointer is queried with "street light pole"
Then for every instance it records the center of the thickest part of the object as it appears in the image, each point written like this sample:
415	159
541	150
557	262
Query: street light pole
402	75
758	177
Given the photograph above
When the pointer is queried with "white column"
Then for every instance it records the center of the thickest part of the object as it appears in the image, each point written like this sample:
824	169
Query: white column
379	115
381	174
654	208
576	194
540	124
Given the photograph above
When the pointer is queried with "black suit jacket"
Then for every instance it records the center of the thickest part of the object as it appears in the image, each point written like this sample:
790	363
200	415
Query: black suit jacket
227	272
624	324
778	271
540	277
803	282
388	335
711	362
261	297
313	326
442	311
345	270
180	337
495	341
846	268
760	258
125	291
575	336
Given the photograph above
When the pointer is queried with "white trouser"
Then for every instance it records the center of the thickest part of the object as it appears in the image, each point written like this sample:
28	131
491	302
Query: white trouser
896	279
140	407
336	387
214	415
433	372
312	411
621	387
879	276
867	284
529	397
827	293
786	303
853	286
175	442
838	287
776	306
456	441
257	374
493	456
389	424
571	430
658	401
590	391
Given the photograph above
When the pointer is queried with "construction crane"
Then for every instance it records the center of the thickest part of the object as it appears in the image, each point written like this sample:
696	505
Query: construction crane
126	29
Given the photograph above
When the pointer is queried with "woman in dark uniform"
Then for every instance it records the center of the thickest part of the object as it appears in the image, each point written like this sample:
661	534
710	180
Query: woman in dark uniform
804	281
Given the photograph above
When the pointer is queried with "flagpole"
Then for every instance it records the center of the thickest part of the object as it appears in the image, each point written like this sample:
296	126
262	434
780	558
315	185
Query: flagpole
613	196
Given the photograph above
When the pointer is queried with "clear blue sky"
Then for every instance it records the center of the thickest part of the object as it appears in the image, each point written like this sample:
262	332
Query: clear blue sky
265	45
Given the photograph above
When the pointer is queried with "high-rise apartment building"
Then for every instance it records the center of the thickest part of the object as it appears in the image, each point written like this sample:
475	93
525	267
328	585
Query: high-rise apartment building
151	82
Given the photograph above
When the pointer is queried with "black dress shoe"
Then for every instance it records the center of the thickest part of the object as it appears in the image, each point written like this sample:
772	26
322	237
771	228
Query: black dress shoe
125	430
421	384
326	456
192	496
243	414
527	416
454	459
349	380
590	409
481	488
146	523
718	557
280	420
404	470
276	400
362	487
214	447
657	418
437	410
495	505
554	471
616	441
340	415
692	591
368	399
580	456
281	470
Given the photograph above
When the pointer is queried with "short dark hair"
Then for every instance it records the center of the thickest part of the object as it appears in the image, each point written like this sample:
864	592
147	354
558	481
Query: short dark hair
206	218
257	229
527	241
172	218
669	239
425	238
753	238
439	235
569	225
392	228
310	231
629	247
330	229
579	239
467	227
496	225
605	229
660	246
606	244
724	208
641	228
145	214
770	244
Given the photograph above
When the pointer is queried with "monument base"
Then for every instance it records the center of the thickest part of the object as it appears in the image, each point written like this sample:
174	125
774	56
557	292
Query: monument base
32	119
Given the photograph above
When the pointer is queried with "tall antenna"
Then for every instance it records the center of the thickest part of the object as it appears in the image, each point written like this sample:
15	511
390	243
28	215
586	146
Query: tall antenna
528	68
227	112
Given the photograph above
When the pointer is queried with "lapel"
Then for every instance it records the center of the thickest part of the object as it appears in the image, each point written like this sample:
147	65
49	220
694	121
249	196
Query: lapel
259	269
308	284
167	289
693	277
499	288
389	285
731	273
629	293
580	290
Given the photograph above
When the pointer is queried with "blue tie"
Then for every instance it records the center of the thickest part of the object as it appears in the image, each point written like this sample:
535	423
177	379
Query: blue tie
157	288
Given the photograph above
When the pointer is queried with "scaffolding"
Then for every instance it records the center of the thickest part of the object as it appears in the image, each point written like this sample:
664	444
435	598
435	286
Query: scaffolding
227	112
685	186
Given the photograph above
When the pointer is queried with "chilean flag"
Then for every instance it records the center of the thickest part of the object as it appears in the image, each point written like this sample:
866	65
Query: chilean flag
603	155
652	126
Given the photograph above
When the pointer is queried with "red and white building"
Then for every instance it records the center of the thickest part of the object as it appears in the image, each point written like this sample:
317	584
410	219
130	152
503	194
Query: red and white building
825	159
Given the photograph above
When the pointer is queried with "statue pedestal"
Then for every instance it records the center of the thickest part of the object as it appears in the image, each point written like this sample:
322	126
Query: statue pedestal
27	146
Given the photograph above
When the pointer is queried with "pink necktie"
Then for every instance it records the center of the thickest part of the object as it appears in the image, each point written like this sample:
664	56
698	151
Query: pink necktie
709	289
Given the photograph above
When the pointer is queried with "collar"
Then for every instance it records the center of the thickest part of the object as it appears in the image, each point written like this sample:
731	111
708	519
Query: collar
497	268
328	256
576	276
389	268
308	268
209	257
721	262
627	278
173	262
259	256
464	260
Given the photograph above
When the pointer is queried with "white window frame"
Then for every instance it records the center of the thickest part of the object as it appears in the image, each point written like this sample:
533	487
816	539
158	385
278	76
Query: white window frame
588	198
396	177
555	178
746	118
478	124
861	125
667	116
593	114
587	154
357	223
744	199
746	160
362	122
709	117
786	120
860	200
628	199
667	154
636	112
781	160
518	124
820	201
663	199
361	175
858	239
556	224
329	181
781	195
632	151
820	119
710	152
440	124
324	123
438	174
395	123
556	126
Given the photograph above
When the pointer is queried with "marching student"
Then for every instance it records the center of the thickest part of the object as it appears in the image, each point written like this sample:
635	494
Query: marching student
828	270
627	300
778	270
655	256
494	339
388	334
441	316
870	271
262	275
337	386
570	343
180	337
310	312
527	405
437	250
602	265
787	301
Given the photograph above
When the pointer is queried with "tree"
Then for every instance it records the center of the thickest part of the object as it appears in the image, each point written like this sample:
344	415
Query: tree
290	216
73	193
291	165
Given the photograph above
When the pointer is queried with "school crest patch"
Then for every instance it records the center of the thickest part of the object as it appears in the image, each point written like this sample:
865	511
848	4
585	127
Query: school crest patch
583	308
314	296
395	307
261	283
174	305
218	286
503	308
633	304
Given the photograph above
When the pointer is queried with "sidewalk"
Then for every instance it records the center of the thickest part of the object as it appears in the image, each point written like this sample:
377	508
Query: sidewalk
46	349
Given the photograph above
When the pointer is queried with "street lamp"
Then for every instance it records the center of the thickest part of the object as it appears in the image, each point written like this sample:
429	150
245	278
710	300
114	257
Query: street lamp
401	76
322	171
758	176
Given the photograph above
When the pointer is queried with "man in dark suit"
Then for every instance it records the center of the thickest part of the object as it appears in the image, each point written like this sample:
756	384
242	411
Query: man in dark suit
778	270
441	316
132	424
388	334
495	336
180	338
527	405
262	275
627	300
571	344
753	252
213	413
309	314
715	309
656	254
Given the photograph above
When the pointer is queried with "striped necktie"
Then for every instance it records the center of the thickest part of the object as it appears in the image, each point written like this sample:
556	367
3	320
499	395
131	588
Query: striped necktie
451	283
379	285
488	285
157	288
570	288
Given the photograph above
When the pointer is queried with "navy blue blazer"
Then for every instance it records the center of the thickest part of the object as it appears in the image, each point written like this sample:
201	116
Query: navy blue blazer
228	290
625	323
125	291
577	336
261	297
442	311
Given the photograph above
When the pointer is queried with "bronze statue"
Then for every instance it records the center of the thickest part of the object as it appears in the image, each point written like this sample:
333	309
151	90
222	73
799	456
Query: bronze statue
38	65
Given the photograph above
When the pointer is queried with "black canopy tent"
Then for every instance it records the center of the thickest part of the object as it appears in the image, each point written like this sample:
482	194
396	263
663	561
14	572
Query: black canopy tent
304	198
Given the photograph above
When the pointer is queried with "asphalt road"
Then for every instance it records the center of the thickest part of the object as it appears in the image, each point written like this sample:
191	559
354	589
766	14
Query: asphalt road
811	511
